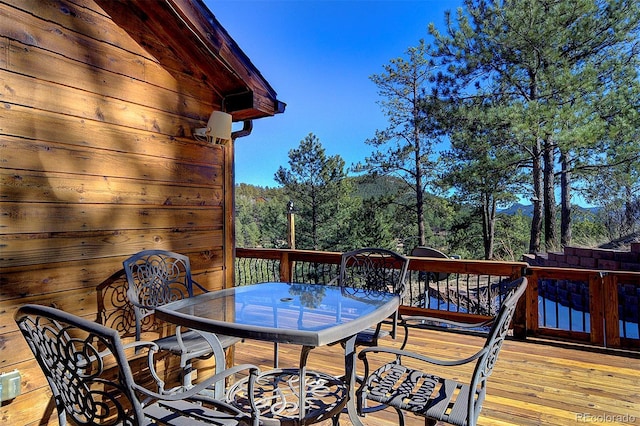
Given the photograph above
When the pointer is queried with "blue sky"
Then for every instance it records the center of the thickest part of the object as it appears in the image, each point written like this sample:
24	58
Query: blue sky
318	56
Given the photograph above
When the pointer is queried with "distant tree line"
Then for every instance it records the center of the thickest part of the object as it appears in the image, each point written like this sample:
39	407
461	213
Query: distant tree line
336	212
523	99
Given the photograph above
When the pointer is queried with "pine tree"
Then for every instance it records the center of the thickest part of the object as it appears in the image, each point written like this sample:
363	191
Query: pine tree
553	62
316	185
406	147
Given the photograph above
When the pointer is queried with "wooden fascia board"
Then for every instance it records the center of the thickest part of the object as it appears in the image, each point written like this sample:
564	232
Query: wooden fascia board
219	43
210	31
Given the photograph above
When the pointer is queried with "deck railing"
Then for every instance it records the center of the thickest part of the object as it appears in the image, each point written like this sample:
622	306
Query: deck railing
578	305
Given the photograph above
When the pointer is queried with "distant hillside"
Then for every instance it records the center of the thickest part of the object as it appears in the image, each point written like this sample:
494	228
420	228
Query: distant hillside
527	210
366	187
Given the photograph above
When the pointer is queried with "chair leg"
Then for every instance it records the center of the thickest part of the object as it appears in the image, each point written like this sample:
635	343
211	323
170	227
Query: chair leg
186	380
400	417
276	356
405	339
187	371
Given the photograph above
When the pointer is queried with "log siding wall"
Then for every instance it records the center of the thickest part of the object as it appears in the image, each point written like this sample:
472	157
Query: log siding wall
97	162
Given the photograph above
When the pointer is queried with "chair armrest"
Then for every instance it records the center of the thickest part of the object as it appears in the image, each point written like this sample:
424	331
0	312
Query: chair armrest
200	287
455	324
180	392
212	340
334	280
402	353
216	348
152	349
141	344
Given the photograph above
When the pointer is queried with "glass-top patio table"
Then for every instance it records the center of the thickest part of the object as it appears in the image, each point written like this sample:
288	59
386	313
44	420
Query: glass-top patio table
309	315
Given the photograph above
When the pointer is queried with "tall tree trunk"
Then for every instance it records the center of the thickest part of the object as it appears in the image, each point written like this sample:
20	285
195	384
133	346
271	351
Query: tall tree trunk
629	210
420	213
536	220
550	237
565	200
419	192
314	220
488	224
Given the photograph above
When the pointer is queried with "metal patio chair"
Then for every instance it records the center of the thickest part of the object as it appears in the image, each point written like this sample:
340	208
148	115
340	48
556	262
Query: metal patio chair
157	277
437	398
89	372
375	269
422	251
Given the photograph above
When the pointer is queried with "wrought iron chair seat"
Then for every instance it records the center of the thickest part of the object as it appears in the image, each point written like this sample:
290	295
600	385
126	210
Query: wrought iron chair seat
425	394
88	370
157	277
194	343
407	388
277	396
368	336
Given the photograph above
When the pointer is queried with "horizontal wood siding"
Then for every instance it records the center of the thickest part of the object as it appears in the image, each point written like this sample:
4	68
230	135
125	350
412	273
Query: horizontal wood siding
98	162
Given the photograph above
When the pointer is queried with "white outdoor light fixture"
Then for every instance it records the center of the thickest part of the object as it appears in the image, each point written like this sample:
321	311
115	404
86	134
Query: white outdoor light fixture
218	130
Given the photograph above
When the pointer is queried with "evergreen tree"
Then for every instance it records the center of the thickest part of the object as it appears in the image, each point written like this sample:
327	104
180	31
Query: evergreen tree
260	217
551	61
482	168
246	224
317	186
405	149
371	225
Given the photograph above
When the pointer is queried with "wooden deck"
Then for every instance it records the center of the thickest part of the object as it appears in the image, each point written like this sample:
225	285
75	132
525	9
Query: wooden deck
534	382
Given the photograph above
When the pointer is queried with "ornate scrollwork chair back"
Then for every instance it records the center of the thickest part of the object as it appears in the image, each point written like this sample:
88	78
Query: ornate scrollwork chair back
88	371
74	362
155	278
375	270
407	388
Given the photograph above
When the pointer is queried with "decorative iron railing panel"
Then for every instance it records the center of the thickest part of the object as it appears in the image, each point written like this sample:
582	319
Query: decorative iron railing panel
250	270
456	292
573	304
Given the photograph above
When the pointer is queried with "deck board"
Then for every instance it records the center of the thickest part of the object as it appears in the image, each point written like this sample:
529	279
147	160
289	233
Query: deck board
533	383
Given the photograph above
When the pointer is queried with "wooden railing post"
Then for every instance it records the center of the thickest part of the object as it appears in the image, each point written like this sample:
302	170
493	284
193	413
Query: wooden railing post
611	313
286	272
531	303
597	309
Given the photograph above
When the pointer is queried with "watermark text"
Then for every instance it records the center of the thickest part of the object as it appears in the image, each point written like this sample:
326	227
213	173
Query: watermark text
605	418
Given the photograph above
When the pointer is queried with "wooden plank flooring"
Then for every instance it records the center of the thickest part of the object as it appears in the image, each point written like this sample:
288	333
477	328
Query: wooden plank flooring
533	383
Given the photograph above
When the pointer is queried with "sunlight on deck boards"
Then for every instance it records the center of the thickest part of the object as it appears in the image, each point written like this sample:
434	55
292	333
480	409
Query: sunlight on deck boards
534	383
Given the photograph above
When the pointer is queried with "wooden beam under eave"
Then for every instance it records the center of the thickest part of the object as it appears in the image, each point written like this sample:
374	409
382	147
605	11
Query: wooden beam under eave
223	48
250	105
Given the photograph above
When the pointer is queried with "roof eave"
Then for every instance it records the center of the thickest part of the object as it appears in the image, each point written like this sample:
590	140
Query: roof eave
192	34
